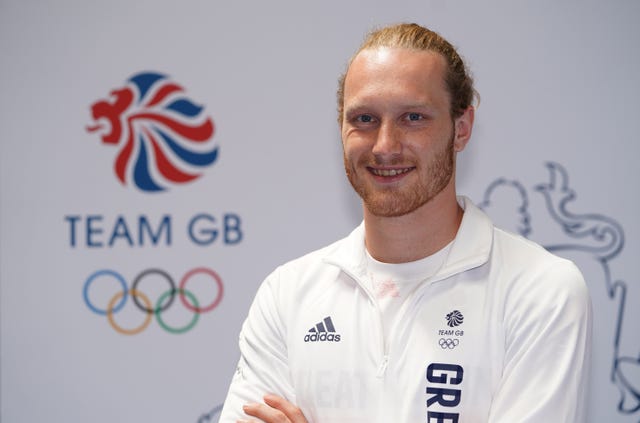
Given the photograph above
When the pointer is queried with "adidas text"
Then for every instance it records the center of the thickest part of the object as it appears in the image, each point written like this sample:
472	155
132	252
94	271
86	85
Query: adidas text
315	337
323	331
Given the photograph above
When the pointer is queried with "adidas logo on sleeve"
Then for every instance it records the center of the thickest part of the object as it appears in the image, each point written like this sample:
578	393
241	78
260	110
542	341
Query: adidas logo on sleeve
323	331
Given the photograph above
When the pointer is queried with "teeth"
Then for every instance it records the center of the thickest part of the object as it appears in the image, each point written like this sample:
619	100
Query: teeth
390	172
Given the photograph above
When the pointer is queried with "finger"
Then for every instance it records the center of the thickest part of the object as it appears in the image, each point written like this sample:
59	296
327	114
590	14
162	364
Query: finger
265	413
293	413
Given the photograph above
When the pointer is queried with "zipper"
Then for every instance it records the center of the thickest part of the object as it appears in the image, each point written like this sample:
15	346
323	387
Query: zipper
382	367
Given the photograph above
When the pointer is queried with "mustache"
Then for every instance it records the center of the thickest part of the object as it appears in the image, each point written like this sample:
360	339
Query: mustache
398	160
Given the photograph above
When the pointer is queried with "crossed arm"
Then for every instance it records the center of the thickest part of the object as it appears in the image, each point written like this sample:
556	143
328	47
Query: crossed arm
274	410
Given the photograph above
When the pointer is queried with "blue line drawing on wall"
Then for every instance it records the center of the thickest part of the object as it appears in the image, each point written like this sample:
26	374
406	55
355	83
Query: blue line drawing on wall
598	237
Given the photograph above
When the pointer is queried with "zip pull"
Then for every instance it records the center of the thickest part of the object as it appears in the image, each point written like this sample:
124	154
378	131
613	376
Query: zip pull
383	367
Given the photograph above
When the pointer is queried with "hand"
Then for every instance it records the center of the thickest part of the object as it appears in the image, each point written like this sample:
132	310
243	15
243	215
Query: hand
274	410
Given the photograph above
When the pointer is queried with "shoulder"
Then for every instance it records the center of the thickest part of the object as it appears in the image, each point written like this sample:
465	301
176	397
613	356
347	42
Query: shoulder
317	268
307	263
521	255
298	281
534	278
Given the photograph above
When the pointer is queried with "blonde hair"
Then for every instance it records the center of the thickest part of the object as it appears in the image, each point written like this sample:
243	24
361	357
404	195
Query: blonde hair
413	36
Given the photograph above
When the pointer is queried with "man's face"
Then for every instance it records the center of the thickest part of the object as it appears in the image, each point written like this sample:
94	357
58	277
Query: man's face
397	131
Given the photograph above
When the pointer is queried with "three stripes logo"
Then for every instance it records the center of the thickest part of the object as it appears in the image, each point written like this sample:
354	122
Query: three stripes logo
323	331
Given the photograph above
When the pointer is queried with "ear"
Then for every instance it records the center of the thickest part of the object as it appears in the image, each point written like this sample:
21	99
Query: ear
463	126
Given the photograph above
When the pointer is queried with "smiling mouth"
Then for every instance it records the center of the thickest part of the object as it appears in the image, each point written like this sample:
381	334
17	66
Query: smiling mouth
390	172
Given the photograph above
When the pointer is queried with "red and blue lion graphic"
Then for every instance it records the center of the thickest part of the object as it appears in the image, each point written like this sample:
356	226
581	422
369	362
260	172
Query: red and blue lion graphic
163	137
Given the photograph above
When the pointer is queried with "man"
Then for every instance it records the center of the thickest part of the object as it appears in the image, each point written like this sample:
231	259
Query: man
426	311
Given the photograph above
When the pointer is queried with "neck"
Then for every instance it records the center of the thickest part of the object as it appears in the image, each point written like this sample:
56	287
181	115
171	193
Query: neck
415	235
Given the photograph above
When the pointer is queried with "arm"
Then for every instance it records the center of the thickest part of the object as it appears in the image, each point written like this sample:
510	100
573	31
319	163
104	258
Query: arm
274	410
547	350
263	366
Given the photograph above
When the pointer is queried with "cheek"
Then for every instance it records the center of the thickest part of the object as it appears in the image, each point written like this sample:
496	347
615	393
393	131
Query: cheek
353	145
428	139
350	157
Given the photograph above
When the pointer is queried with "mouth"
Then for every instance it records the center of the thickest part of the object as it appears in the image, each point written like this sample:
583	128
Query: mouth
390	172
101	125
94	128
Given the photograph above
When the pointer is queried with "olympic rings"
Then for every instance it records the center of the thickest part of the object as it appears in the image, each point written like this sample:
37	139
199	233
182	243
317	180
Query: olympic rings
448	343
172	289
85	291
110	310
190	324
144	304
216	300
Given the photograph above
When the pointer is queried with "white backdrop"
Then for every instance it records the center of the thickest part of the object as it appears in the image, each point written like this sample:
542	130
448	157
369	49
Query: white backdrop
553	156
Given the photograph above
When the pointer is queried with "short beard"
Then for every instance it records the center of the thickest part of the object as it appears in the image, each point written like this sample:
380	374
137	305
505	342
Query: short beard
393	204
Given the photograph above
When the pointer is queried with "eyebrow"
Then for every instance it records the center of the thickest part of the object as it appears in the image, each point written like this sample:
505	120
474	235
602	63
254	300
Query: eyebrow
361	108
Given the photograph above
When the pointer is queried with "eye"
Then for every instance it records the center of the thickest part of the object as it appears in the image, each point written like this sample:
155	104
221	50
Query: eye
364	118
414	116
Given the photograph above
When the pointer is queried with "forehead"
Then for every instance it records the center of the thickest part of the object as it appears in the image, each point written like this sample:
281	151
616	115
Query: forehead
396	71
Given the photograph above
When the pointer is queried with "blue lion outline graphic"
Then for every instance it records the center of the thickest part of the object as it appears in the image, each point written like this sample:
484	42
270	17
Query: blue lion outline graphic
598	236
211	416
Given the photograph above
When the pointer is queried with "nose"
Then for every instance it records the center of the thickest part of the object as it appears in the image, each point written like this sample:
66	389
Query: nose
388	141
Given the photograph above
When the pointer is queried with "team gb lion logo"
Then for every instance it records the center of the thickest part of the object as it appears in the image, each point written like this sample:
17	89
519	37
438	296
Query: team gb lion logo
163	137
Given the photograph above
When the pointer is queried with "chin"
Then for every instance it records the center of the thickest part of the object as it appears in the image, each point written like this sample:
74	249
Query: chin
393	207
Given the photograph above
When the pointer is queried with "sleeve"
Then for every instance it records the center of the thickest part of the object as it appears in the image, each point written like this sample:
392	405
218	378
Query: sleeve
547	350
263	366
